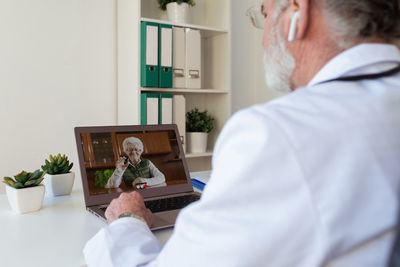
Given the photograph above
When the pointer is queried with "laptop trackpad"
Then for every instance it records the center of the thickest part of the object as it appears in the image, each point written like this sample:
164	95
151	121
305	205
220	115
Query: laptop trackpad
164	219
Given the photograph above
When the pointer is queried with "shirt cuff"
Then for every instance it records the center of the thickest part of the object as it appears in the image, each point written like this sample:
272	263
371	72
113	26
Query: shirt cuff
127	220
131	215
113	245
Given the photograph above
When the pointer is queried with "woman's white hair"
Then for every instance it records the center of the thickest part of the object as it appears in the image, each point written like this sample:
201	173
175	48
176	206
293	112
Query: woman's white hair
132	140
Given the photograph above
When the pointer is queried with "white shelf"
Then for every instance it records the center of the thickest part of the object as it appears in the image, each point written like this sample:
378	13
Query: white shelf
205	31
213	19
199	155
185	91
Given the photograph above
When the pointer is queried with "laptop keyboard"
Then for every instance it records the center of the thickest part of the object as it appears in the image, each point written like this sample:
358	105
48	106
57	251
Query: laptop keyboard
166	204
173	203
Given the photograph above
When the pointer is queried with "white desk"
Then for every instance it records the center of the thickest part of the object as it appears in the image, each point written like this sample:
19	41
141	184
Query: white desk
53	236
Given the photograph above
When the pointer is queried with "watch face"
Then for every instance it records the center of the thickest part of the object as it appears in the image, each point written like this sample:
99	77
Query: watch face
126	214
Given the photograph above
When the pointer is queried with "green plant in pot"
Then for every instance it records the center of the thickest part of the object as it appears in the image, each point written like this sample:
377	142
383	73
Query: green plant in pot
58	178
177	9
198	125
25	192
101	177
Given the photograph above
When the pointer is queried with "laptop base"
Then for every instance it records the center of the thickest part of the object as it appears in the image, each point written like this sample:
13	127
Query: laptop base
162	220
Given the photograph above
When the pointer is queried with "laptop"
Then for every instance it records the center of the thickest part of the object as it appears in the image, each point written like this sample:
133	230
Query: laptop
156	168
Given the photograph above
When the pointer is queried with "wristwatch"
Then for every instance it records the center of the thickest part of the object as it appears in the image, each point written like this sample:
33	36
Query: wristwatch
132	215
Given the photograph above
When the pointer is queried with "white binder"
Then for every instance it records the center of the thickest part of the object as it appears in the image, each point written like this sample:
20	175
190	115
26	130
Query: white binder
152	111
178	78
193	58
179	116
166	110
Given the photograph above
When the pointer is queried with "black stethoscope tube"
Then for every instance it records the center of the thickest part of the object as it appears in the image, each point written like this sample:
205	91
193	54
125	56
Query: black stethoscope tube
366	76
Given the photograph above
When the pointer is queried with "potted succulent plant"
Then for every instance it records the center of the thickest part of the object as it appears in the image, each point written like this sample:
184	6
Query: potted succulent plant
24	192
198	125
177	9
58	178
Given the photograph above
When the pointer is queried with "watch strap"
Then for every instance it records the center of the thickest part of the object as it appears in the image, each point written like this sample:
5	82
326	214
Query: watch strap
131	215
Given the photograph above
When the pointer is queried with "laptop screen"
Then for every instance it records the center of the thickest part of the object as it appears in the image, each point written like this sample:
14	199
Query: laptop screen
119	159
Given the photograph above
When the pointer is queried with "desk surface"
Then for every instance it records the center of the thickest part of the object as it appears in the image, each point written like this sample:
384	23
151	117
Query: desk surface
53	236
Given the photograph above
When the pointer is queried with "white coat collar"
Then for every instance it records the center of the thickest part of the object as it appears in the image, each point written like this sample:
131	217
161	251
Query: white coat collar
356	58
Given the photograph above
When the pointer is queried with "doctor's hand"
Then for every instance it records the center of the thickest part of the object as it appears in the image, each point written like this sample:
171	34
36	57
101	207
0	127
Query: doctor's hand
128	202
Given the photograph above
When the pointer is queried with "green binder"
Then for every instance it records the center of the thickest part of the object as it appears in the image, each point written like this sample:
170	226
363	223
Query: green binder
165	55
149	108
149	57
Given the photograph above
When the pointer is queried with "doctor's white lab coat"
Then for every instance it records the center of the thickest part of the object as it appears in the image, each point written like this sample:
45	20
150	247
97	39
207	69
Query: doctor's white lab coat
309	179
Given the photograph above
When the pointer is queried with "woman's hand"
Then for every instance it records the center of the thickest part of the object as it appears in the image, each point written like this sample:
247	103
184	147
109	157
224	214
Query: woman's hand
137	181
120	164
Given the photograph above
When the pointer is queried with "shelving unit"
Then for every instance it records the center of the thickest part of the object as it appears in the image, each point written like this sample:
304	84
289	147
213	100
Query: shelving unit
205	31
199	155
185	91
213	19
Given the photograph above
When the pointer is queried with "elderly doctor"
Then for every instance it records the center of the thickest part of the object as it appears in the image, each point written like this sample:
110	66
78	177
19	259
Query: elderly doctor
321	164
136	170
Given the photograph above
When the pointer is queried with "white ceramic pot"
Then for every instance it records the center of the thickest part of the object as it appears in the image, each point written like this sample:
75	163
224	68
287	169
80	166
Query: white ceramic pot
197	142
178	13
25	200
59	184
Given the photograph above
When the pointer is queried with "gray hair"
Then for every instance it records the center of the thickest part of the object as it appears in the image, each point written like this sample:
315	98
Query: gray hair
352	20
365	19
132	140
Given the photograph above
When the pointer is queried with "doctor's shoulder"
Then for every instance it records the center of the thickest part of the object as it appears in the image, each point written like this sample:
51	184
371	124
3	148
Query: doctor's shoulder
261	117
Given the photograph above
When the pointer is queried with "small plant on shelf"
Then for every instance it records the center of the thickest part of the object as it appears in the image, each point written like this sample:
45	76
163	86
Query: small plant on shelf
25	179
198	125
197	121
57	164
58	178
163	3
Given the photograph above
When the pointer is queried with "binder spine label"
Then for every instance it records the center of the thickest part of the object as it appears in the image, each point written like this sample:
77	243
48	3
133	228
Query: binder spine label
165	58
149	68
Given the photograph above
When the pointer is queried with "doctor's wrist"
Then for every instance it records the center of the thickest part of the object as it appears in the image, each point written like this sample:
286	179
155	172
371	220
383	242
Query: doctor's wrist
131	215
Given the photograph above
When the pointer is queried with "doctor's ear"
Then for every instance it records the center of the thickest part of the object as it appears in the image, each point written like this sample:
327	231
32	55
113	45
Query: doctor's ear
298	20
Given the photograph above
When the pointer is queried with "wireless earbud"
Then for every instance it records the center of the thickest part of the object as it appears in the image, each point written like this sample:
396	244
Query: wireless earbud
293	24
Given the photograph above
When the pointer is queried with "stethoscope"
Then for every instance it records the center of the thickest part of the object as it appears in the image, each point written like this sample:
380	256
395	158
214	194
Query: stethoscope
366	76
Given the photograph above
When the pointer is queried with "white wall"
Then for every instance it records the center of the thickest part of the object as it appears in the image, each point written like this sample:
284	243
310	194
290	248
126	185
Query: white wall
57	71
248	85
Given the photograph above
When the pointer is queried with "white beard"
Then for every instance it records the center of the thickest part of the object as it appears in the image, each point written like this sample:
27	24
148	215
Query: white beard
279	63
